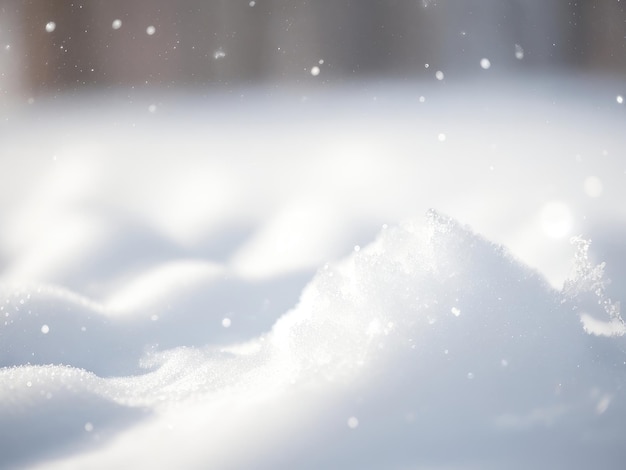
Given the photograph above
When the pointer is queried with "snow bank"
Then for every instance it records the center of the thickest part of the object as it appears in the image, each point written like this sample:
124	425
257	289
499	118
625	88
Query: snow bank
158	306
430	348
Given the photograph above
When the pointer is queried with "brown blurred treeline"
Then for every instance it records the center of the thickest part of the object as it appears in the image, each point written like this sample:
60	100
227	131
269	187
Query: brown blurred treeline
225	42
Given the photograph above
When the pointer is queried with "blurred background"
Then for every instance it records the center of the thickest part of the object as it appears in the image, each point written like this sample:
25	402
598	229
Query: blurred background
53	46
125	121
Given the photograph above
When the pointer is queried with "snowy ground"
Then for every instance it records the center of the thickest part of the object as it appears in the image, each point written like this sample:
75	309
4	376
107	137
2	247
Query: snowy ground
255	280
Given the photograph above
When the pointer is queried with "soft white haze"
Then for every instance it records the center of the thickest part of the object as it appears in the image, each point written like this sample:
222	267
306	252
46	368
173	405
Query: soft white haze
256	279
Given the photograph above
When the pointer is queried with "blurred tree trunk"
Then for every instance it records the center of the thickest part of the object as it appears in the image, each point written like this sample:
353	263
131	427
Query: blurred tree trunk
10	53
62	55
603	34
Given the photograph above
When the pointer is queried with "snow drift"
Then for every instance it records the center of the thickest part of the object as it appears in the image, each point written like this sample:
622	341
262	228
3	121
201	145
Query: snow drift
430	348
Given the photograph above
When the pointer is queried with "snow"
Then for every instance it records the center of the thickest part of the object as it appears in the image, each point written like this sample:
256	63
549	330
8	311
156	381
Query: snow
256	280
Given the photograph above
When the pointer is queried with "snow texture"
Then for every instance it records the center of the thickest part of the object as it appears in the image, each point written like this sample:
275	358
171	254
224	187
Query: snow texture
373	336
161	308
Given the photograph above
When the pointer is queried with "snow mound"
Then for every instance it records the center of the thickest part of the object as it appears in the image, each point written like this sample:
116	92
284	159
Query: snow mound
432	347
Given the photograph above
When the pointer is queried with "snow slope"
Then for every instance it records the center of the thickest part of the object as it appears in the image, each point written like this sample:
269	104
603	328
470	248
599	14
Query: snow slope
170	299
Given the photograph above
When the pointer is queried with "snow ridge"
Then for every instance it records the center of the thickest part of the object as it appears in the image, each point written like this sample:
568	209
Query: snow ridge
588	284
428	339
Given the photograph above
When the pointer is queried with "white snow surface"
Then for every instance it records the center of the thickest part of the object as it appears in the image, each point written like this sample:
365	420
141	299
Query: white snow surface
256	280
